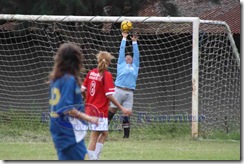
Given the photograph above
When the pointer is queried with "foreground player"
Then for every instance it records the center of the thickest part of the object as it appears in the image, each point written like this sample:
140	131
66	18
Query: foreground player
127	73
66	129
99	88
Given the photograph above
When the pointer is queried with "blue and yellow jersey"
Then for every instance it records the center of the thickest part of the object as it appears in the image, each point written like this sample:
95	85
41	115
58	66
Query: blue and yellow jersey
65	94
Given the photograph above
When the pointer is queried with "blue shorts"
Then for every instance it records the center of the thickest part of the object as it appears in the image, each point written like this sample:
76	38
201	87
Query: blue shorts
75	152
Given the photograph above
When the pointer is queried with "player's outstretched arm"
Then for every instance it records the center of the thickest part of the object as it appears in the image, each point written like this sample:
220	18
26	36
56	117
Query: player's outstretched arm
115	102
122	48
136	53
77	114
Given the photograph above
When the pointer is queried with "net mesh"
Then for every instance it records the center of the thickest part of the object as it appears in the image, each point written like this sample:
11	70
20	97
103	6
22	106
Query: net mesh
164	87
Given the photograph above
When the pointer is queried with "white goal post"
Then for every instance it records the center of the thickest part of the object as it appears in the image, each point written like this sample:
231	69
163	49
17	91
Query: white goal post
154	31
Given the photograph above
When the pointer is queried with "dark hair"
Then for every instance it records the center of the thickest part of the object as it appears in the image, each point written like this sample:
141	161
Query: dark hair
68	59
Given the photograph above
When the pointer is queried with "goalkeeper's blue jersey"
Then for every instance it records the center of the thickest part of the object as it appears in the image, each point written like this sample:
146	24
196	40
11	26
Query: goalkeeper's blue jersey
65	94
127	73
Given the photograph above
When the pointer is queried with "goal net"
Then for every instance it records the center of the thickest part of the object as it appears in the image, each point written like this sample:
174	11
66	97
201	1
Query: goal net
181	80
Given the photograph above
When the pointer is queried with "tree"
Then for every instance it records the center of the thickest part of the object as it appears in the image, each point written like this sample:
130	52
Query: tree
53	7
70	7
202	1
124	7
168	8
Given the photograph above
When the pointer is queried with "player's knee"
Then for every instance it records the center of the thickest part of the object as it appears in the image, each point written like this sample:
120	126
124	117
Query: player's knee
105	134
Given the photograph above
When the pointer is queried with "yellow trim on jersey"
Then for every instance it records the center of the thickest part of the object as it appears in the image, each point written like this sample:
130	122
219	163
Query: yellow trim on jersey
55	99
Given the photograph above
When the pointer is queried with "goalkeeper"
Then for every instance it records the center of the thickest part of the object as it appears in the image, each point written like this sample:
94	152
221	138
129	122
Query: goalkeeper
125	84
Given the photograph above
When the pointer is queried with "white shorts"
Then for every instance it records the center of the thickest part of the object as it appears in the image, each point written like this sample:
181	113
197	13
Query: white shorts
102	125
125	98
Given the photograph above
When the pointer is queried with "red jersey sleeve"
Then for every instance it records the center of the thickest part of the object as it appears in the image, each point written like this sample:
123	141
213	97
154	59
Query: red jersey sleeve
108	84
85	83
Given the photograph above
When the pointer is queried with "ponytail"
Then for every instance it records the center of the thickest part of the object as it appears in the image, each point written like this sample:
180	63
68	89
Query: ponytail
102	66
103	59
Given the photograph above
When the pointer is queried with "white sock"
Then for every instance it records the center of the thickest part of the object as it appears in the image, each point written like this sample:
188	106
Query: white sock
91	155
99	147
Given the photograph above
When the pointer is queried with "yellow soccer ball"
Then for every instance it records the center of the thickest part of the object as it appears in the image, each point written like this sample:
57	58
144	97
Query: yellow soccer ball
126	26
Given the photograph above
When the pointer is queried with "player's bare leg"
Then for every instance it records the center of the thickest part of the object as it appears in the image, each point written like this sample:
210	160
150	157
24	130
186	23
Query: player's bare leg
99	146
92	145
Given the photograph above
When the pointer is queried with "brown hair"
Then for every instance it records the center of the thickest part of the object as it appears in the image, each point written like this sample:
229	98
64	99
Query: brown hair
103	59
68	59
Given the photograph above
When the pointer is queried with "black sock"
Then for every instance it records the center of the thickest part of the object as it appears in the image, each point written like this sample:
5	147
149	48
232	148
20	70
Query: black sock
126	127
126	132
110	116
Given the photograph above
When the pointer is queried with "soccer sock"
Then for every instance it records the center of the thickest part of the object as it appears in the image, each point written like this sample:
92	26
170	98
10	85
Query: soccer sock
126	132
99	147
126	126
110	116
91	155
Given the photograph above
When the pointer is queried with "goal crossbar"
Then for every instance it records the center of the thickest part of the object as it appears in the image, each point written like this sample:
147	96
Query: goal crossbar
53	18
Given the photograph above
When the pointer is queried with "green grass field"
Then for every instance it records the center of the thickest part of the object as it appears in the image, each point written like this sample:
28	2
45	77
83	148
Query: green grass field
21	142
132	150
